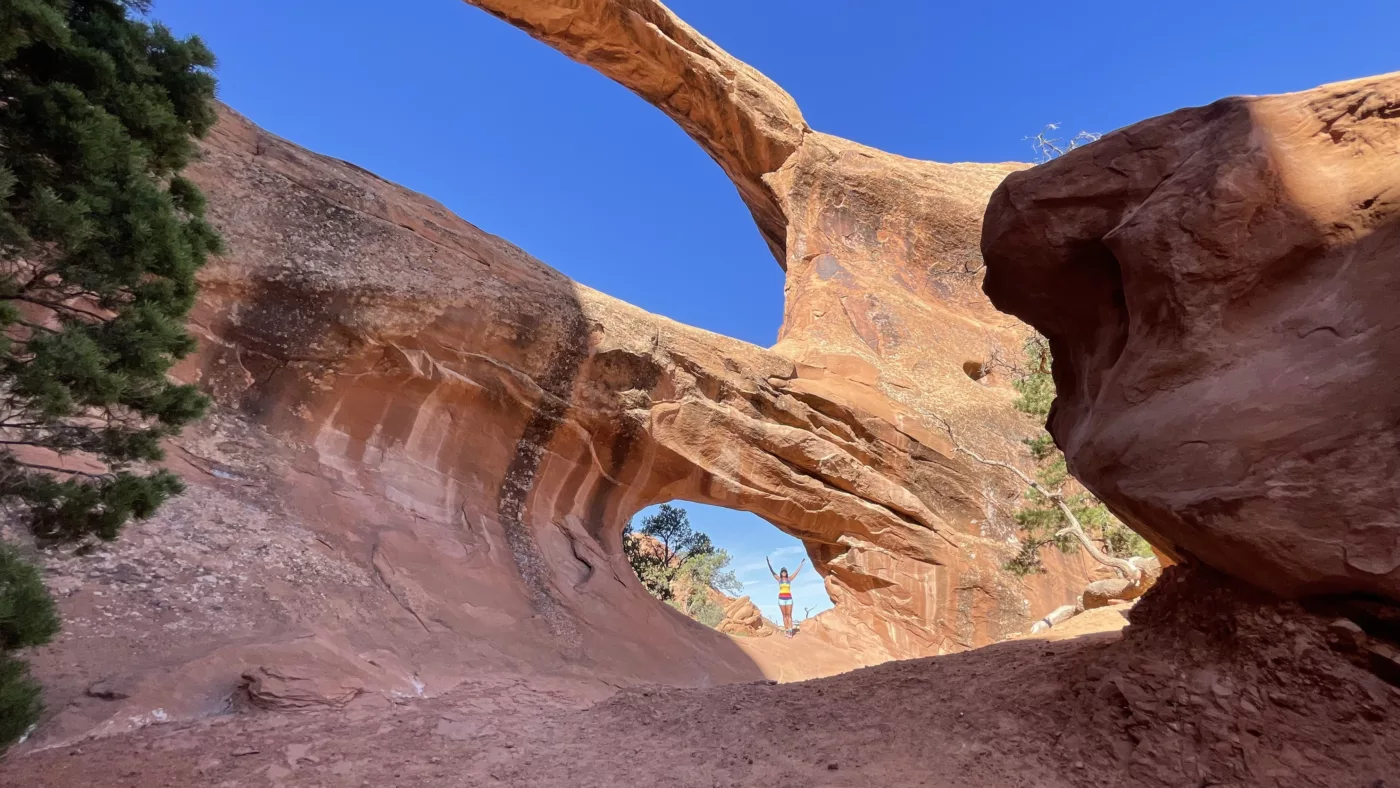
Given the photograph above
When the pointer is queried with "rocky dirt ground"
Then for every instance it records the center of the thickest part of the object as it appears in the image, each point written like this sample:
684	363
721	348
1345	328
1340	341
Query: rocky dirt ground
1227	691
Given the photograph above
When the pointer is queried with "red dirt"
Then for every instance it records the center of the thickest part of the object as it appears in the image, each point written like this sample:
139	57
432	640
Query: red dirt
1209	686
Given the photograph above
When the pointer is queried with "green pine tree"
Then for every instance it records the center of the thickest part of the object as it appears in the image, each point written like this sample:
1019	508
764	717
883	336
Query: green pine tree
679	565
100	239
673	541
1040	518
27	618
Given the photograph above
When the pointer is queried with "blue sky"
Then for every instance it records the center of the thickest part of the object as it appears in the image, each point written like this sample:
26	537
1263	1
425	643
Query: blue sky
442	98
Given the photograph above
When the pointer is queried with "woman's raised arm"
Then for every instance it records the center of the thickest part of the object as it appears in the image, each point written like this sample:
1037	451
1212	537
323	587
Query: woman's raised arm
796	571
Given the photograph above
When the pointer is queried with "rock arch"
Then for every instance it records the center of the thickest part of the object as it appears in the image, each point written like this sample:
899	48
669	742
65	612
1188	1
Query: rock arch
451	434
441	370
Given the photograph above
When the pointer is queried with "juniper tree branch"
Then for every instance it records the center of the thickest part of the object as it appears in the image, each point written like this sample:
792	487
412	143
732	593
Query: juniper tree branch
1125	567
51	469
1075	529
59	306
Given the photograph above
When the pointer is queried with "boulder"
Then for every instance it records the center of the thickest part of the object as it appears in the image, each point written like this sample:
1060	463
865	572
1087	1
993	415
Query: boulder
1218	286
742	617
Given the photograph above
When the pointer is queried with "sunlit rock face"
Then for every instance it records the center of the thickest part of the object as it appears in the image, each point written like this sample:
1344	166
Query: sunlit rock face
883	316
1219	286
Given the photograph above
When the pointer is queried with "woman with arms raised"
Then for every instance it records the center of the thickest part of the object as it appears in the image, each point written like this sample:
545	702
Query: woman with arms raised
785	594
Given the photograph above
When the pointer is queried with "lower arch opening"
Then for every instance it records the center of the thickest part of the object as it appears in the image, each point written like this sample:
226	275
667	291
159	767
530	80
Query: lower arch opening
711	564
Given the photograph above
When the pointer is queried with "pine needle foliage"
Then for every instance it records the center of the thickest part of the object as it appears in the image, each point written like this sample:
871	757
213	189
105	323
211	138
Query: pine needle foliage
100	239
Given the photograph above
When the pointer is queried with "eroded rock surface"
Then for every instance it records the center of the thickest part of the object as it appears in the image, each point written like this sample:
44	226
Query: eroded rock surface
1219	287
883	308
1209	686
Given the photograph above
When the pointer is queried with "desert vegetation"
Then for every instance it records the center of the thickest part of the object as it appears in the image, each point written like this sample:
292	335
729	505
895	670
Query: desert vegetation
100	238
1056	507
680	565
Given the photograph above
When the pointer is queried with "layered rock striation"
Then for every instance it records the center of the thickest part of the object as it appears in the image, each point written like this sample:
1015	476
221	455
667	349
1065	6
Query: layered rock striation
883	313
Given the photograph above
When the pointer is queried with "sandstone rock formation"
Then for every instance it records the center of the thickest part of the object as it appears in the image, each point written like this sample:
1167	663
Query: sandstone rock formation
883	310
430	441
1218	286
435	369
742	617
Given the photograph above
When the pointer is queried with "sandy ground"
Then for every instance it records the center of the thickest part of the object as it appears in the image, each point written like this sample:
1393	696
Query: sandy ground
912	723
1250	698
796	659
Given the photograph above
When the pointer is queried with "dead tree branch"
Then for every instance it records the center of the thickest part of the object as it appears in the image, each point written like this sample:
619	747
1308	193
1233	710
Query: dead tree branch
1047	147
1061	613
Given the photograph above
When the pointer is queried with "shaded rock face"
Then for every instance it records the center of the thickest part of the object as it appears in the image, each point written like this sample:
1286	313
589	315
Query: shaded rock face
1219	289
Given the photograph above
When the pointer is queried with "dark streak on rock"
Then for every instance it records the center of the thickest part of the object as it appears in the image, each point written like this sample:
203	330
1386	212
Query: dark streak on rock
557	383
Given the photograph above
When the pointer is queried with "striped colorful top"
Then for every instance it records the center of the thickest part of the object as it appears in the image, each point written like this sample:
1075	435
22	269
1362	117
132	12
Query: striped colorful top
784	592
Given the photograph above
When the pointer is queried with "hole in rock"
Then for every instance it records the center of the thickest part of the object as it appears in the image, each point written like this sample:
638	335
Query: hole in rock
699	559
975	369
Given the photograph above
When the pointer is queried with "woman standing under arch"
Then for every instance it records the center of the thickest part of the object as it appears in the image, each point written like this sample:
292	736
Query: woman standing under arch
785	593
